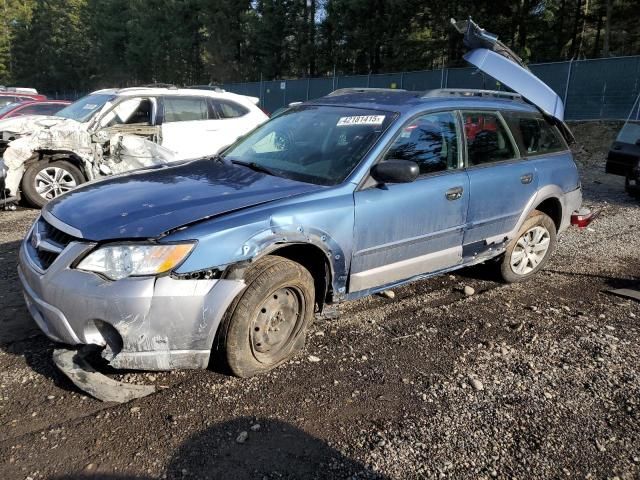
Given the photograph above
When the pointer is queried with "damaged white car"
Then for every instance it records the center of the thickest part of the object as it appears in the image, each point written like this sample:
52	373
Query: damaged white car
115	131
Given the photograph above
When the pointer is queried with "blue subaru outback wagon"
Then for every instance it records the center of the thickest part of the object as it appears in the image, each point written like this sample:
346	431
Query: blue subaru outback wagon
334	199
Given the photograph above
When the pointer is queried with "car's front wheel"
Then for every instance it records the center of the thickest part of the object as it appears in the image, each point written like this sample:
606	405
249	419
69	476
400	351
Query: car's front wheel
530	250
267	324
632	183
44	181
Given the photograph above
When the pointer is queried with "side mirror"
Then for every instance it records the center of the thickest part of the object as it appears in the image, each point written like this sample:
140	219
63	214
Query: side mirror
395	171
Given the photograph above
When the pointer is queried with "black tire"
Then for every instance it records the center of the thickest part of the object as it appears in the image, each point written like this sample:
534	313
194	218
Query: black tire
266	325
30	179
534	220
632	190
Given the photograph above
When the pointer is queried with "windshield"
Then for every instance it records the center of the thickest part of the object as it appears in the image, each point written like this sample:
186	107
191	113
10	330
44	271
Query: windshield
83	109
313	144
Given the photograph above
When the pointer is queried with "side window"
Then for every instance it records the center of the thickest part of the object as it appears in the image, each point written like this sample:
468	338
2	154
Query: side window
487	138
6	100
431	141
229	109
185	109
535	135
49	109
38	109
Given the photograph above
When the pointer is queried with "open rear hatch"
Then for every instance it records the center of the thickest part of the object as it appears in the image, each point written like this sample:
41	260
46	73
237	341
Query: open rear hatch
494	58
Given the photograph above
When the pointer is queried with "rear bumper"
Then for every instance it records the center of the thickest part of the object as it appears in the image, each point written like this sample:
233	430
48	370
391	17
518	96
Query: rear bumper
571	202
622	159
144	323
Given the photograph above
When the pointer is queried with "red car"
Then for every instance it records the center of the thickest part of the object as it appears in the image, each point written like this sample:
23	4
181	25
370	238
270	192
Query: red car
32	107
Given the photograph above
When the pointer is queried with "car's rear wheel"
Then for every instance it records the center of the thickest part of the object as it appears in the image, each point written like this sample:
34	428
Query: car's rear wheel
44	181
267	324
530	250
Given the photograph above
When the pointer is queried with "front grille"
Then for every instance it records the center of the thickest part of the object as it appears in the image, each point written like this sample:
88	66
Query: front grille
52	234
46	243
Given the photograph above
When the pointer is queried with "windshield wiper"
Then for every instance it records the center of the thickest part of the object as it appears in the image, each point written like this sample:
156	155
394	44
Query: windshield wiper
217	158
255	167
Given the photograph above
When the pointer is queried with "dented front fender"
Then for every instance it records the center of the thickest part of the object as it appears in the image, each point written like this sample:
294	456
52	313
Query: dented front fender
323	220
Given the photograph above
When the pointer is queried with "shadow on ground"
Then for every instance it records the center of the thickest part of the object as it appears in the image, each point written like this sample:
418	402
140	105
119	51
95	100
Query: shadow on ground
274	450
19	334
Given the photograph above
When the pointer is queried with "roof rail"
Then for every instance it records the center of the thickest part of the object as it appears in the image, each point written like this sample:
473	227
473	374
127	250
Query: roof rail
343	91
470	92
213	88
23	90
170	86
146	87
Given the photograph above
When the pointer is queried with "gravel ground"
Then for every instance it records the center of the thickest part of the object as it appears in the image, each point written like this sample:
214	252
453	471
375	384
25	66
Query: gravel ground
535	380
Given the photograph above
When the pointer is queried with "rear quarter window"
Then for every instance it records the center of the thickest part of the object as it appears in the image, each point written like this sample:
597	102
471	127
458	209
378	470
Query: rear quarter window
535	136
229	109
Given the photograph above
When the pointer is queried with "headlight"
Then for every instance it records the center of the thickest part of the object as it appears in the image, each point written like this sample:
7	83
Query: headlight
121	261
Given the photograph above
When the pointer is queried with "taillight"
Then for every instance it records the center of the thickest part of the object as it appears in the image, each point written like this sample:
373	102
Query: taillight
583	217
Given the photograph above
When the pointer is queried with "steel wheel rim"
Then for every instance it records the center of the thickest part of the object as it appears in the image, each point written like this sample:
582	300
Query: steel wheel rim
276	324
531	248
51	182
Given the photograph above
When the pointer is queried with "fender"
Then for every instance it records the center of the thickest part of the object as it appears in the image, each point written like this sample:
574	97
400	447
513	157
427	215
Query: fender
324	221
54	155
544	193
299	235
279	236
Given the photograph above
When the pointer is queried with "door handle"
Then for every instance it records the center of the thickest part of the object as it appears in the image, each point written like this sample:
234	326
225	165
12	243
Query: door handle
527	178
454	193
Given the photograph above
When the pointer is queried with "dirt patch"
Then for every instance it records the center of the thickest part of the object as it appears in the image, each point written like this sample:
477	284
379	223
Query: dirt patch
536	380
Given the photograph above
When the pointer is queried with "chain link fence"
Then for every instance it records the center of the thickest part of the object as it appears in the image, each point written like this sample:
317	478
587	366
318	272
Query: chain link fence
604	88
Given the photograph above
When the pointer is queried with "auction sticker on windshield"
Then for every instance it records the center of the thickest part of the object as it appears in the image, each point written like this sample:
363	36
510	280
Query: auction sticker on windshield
361	120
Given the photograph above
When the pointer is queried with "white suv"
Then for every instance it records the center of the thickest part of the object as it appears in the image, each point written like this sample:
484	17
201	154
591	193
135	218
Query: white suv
115	131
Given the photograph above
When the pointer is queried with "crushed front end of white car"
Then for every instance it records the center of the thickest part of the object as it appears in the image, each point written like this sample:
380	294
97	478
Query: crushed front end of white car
116	131
106	152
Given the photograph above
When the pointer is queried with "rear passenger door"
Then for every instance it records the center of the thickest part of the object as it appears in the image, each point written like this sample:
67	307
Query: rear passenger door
501	182
232	122
184	126
408	229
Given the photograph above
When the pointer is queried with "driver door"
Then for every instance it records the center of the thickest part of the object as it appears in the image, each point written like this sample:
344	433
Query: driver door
405	230
131	116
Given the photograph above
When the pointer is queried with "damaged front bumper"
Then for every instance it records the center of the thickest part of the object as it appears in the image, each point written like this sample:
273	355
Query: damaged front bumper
143	323
75	366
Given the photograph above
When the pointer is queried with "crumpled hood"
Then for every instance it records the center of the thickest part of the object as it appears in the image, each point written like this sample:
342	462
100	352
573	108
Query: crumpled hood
33	123
148	203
